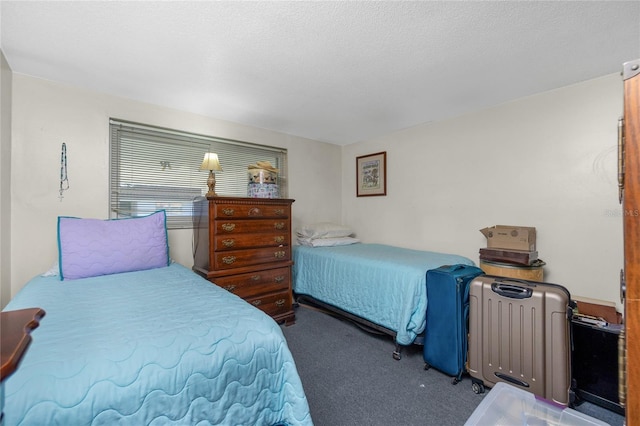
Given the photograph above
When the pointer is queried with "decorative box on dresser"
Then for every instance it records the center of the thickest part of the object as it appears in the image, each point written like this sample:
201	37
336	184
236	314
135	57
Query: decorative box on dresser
244	246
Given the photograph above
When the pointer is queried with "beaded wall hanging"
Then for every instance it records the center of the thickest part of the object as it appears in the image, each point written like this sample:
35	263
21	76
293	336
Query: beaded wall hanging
64	177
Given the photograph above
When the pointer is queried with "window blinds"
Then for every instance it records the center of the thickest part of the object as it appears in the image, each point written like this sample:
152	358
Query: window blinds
153	168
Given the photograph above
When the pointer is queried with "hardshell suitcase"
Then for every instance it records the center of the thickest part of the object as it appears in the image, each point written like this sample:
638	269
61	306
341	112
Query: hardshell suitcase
445	339
519	333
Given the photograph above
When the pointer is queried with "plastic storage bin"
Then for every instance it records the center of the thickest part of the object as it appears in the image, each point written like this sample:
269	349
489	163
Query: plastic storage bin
506	405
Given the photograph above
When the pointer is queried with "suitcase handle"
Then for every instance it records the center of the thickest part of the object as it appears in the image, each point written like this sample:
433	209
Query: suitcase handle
452	268
511	291
516	280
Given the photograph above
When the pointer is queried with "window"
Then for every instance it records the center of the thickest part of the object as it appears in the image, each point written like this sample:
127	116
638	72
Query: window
153	168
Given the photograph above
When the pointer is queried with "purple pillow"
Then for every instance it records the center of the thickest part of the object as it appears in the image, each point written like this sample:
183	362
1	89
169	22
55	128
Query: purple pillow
92	247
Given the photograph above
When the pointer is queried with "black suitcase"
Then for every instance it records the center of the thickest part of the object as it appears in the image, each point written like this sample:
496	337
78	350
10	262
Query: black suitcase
445	340
595	364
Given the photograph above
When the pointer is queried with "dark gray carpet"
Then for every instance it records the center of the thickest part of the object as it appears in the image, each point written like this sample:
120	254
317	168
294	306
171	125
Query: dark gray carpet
350	378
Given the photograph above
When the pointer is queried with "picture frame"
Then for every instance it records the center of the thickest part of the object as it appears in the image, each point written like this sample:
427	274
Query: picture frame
371	174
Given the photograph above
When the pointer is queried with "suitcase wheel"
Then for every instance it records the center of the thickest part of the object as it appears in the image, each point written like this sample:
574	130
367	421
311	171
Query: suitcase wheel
477	387
454	381
426	366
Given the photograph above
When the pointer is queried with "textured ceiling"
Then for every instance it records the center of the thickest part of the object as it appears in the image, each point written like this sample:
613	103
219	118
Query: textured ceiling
338	72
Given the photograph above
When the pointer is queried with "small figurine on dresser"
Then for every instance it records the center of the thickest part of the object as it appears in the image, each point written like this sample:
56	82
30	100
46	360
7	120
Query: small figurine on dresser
263	181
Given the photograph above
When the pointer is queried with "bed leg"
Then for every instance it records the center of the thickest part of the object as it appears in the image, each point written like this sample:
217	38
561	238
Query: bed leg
396	353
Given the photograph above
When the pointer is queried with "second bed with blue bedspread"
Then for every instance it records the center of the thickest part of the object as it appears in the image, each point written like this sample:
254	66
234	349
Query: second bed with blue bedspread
383	284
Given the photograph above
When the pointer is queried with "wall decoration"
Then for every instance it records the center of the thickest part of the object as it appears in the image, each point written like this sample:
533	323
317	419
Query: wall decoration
64	178
371	174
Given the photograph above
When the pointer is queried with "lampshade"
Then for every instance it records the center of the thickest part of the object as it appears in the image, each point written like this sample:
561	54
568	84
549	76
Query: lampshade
211	162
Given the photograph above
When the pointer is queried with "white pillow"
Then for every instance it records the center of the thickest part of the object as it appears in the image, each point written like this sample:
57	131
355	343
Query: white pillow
327	242
324	230
53	271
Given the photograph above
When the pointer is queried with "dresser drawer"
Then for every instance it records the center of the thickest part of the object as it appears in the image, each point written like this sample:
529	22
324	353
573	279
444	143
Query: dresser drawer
239	258
226	227
252	211
243	244
240	241
272	304
256	283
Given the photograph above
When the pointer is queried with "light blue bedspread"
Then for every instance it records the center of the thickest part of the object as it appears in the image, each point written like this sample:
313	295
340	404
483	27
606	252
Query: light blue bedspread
382	284
153	347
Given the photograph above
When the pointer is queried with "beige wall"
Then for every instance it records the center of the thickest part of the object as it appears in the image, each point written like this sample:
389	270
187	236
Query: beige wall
47	114
5	181
547	161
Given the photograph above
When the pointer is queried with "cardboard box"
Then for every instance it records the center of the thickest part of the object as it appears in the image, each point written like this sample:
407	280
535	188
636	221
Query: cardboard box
510	237
599	309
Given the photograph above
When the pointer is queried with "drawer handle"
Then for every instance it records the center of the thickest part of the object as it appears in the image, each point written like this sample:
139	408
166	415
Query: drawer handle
255	212
279	239
228	260
228	243
280	303
228	212
231	288
279	212
256	302
278	225
255	278
279	254
279	278
228	226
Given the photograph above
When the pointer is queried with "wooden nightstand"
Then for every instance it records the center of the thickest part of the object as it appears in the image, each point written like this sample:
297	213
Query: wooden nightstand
244	246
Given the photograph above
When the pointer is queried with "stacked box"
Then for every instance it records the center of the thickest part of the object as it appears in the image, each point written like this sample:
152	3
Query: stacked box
518	257
511	237
515	245
511	251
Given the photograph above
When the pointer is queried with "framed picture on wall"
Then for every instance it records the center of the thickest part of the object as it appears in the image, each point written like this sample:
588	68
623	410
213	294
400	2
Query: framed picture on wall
371	174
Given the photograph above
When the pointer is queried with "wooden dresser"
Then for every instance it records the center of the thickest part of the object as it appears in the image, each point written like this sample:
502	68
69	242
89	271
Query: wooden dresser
244	246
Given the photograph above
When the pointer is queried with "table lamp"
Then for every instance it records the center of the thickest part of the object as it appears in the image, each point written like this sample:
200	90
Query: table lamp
211	163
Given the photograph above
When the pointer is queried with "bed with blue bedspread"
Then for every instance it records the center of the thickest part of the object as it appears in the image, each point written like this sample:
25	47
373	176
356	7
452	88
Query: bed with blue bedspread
153	345
382	284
